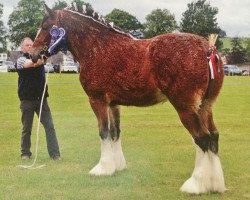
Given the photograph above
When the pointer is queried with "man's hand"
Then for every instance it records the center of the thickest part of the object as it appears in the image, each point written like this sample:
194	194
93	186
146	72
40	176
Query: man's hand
28	63
40	62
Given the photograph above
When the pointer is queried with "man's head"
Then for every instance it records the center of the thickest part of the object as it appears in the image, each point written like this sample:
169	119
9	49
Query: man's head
26	45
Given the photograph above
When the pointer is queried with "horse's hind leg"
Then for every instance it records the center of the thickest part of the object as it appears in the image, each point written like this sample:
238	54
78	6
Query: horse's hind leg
207	175
114	119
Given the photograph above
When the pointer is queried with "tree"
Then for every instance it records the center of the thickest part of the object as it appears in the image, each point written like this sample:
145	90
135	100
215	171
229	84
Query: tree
200	19
59	5
238	52
158	22
80	4
248	48
124	20
25	20
222	33
2	32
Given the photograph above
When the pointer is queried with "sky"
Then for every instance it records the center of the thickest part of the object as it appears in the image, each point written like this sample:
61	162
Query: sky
233	16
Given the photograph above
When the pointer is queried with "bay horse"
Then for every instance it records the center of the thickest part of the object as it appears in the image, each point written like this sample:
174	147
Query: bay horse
117	69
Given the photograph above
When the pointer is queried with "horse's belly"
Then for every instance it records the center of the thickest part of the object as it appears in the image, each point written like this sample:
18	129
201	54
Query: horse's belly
136	98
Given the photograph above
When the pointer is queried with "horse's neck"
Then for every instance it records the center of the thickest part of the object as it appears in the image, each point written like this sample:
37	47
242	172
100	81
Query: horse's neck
88	42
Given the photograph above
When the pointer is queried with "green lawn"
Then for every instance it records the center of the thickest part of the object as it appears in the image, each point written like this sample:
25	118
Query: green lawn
158	150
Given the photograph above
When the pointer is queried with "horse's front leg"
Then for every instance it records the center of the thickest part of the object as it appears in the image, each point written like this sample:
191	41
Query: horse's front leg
114	120
106	165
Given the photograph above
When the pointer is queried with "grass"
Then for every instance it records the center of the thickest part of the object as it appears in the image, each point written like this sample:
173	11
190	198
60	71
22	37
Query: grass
159	152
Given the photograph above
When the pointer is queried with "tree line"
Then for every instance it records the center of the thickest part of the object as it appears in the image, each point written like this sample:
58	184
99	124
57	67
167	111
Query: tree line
199	18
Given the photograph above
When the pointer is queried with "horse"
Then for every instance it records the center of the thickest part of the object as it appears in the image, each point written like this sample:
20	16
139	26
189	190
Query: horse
117	69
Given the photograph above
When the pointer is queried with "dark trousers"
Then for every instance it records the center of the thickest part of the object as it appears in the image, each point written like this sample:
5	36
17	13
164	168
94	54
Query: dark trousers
28	108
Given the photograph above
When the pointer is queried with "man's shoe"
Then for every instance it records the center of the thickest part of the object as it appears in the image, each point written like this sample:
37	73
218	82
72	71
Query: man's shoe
25	157
56	157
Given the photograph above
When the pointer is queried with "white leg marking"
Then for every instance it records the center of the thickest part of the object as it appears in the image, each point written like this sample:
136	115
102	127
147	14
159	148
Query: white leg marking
106	165
120	162
218	182
207	175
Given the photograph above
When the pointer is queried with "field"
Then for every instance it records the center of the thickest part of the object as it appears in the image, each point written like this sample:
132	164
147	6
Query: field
158	150
227	42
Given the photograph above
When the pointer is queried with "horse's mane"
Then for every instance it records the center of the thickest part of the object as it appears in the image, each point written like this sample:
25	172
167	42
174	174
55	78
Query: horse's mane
87	12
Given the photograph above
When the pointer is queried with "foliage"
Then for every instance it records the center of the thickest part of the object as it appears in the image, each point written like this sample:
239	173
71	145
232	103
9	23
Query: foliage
158	22
123	20
222	33
247	42
227	46
80	4
159	152
59	4
2	32
225	51
25	20
200	18
238	52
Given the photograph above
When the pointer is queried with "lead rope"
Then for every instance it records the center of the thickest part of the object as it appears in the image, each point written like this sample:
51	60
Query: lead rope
37	131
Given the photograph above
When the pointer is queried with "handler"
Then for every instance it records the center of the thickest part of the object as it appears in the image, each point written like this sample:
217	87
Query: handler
30	89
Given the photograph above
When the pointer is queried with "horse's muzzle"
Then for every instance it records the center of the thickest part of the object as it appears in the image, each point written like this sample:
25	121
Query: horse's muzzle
42	54
35	58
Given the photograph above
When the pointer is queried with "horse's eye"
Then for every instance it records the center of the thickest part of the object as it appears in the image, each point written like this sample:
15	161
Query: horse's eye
45	26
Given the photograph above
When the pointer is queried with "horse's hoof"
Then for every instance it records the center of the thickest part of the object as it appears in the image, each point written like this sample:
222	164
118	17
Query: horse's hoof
196	186
101	169
193	187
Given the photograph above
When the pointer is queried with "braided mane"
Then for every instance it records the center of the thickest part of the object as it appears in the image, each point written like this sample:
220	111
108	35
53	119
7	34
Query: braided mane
87	11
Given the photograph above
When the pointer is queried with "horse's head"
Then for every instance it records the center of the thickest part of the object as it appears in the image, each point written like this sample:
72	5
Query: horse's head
83	29
43	38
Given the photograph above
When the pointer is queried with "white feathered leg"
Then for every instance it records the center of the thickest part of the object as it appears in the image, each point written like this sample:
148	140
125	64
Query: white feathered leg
207	175
106	165
120	162
218	182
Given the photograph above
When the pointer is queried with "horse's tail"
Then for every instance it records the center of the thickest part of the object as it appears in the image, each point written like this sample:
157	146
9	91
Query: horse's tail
216	71
215	79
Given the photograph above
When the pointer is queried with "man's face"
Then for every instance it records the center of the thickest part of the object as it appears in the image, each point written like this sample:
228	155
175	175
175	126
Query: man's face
26	46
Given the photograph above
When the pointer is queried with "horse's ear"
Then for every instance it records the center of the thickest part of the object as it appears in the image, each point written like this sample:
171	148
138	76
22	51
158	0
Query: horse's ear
48	11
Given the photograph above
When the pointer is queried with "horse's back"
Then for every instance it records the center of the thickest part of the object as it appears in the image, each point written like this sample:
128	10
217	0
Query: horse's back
179	51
